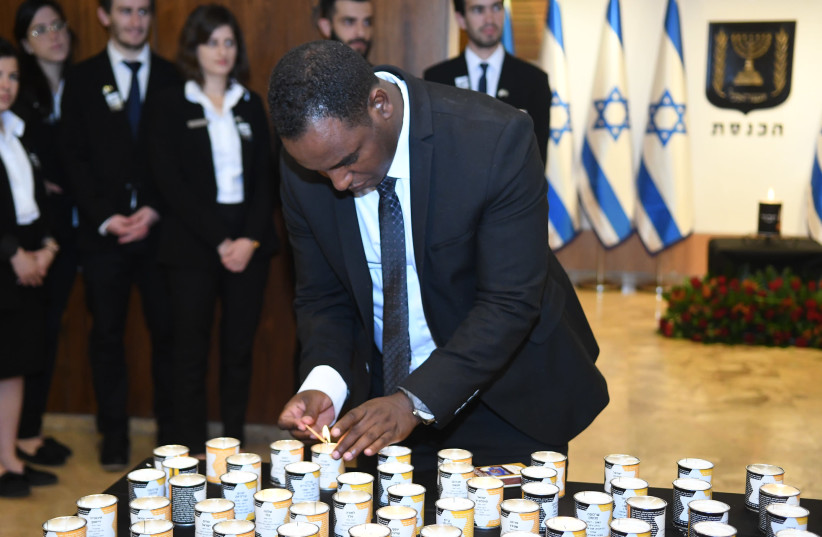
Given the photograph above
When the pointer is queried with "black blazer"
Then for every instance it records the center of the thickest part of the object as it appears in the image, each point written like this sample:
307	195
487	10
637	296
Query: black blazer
105	164
505	318
183	171
9	239
521	84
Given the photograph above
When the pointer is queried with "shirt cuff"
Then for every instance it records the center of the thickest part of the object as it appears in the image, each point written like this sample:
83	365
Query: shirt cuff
421	408
326	379
102	229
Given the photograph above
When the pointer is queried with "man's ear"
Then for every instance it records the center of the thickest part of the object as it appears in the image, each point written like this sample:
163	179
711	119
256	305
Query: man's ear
381	102
460	20
103	17
324	25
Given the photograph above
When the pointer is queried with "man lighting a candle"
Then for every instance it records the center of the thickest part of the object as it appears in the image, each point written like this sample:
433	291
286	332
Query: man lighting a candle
428	302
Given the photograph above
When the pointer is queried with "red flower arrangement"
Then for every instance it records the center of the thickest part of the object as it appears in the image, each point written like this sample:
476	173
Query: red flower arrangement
767	308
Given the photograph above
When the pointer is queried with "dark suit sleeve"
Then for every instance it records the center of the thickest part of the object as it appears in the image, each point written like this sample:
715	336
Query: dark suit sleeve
325	313
509	249
75	141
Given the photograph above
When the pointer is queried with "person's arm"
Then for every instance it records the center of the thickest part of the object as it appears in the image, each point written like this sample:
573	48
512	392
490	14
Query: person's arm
511	246
326	316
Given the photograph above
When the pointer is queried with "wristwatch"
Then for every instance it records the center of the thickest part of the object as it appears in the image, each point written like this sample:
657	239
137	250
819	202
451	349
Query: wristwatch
420	411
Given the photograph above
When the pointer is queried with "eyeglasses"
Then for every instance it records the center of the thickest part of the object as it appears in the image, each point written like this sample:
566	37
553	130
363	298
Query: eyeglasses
43	29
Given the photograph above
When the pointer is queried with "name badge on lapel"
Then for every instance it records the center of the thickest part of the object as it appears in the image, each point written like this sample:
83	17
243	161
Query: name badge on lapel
35	161
243	128
112	97
197	123
462	82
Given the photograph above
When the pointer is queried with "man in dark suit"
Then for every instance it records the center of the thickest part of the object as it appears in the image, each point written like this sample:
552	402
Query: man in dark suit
484	66
478	334
104	143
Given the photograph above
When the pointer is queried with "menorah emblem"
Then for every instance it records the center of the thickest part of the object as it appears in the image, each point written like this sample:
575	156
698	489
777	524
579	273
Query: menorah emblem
750	46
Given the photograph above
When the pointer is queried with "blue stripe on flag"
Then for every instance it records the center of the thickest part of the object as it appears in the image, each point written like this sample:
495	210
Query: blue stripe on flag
558	215
605	195
656	209
554	23
614	19
816	187
672	28
508	30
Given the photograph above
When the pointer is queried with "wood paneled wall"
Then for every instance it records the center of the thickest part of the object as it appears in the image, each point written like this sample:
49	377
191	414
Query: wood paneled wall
411	34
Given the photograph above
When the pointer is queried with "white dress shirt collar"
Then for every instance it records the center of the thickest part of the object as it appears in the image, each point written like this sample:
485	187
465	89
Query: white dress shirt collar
194	93
12	125
493	72
122	73
401	165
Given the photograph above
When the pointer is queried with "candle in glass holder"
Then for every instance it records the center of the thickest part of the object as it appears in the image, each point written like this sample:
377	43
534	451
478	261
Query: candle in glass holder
769	215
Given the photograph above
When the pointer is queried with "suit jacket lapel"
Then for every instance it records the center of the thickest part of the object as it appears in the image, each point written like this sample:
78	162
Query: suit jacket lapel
107	78
241	115
354	257
506	81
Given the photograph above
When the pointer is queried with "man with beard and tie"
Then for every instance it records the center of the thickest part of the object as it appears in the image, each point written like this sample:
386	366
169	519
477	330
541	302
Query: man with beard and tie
347	21
104	149
484	66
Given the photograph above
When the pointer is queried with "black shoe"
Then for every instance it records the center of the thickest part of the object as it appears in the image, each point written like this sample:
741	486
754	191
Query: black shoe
51	453
114	453
38	478
14	485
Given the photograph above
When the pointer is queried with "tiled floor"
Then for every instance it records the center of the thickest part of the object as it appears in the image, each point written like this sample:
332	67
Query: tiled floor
669	399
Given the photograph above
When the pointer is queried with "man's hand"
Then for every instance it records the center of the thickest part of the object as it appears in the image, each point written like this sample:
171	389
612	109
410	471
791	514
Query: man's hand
118	225
44	258
311	407
236	255
374	425
26	268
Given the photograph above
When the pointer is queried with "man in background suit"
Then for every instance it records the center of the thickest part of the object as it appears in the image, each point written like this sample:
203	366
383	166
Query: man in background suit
347	21
104	144
484	66
426	292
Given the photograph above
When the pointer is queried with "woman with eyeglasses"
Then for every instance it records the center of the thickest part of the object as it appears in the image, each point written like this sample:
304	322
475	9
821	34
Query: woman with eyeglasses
44	42
26	253
211	161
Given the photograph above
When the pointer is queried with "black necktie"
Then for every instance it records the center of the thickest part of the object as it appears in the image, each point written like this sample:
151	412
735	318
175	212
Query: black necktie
134	103
483	83
396	345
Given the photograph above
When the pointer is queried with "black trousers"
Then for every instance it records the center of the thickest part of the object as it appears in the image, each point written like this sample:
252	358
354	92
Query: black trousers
109	277
194	296
59	284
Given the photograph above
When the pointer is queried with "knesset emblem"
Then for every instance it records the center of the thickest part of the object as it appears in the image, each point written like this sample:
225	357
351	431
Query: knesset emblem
749	64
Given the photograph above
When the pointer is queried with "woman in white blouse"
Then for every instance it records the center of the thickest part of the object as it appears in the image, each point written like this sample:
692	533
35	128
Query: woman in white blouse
26	252
211	160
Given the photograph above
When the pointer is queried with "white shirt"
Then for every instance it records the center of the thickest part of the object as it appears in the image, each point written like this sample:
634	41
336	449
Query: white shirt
18	168
325	378
226	149
123	73
492	73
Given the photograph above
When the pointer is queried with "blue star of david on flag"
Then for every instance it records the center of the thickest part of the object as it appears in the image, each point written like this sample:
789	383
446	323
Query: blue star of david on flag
564	108
657	118
614	99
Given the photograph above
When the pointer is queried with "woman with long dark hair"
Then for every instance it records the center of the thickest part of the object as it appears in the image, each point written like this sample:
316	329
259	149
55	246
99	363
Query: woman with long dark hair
26	253
44	42
211	160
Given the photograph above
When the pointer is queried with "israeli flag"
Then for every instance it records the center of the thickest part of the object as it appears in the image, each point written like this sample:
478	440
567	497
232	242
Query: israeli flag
508	29
607	190
665	212
563	209
815	202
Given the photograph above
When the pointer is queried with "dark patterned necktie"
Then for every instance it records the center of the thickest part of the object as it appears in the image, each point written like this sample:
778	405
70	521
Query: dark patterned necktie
134	103
396	345
483	82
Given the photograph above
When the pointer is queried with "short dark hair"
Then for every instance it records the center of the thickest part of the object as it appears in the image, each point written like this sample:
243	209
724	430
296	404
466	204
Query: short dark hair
459	6
106	5
327	7
321	79
7	50
197	29
34	84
